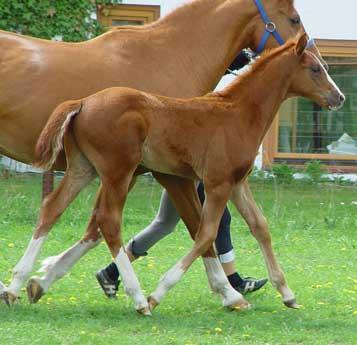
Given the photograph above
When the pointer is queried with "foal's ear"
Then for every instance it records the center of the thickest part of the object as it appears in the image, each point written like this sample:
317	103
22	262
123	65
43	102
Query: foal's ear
301	44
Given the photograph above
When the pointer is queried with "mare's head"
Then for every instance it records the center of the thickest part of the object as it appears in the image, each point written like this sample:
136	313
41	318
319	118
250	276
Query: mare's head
310	79
287	22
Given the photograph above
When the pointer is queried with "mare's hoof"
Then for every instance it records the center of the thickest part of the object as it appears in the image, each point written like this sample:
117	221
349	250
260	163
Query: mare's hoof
152	303
144	311
34	290
292	304
8	298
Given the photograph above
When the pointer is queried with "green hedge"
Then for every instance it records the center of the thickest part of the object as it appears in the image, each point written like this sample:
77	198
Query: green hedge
48	18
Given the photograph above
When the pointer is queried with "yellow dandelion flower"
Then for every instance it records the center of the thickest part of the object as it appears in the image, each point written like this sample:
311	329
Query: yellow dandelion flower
355	312
218	330
11	245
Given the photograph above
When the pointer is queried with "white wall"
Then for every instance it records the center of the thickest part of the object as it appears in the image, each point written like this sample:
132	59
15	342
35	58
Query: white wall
328	19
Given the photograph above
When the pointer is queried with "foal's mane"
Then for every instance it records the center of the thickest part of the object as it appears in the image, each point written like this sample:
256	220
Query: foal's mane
259	65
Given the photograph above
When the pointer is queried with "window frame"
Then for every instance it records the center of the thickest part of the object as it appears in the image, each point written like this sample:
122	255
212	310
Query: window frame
106	14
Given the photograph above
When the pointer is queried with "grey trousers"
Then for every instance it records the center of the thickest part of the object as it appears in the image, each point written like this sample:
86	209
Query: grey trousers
165	222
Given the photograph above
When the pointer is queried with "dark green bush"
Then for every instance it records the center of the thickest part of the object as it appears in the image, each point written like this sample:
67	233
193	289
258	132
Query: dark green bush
283	173
48	18
314	171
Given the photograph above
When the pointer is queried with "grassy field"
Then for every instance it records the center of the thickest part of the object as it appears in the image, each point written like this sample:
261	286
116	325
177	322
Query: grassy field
314	232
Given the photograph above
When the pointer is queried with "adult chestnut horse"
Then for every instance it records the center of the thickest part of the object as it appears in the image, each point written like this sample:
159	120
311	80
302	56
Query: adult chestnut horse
115	130
182	55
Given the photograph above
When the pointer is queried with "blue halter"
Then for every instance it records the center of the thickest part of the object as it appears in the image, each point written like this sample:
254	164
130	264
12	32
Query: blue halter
270	29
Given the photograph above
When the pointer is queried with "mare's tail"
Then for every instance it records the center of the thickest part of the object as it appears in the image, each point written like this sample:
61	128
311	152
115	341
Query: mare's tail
50	142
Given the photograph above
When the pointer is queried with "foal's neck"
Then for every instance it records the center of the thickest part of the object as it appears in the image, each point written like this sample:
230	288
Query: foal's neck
258	95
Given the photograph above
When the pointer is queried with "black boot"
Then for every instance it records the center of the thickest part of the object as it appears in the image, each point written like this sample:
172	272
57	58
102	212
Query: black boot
108	279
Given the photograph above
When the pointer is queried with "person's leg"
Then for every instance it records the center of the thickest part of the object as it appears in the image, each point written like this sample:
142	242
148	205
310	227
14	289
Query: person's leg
226	255
163	224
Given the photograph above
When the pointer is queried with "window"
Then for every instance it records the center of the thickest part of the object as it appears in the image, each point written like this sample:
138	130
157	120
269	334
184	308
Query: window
303	131
119	15
305	128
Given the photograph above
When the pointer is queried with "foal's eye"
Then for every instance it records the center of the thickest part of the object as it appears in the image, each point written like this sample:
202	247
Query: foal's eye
295	20
316	69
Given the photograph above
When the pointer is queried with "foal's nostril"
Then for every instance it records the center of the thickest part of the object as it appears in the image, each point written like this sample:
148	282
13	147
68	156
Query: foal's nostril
342	98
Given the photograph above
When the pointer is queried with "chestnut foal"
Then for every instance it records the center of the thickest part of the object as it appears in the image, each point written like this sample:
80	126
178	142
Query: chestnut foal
213	138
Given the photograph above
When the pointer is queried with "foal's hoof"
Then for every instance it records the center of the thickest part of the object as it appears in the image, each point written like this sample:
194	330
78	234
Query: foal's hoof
34	290
152	303
240	306
292	304
8	298
144	311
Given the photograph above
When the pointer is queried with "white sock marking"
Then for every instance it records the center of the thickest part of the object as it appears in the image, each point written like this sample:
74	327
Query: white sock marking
168	281
220	284
130	281
25	265
57	266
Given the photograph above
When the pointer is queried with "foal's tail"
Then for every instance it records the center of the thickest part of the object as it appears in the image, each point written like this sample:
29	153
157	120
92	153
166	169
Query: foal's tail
50	142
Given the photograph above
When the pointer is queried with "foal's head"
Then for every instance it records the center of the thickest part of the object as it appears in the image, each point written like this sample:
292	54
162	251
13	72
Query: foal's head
311	80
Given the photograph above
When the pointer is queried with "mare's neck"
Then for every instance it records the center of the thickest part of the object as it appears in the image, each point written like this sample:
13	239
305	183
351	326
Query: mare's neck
199	41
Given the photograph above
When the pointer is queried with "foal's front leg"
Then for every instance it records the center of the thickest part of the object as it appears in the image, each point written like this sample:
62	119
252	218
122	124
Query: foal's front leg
215	202
183	193
243	199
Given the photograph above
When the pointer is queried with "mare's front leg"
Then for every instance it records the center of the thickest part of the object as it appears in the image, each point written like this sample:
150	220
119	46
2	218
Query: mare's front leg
55	267
215	202
243	199
78	175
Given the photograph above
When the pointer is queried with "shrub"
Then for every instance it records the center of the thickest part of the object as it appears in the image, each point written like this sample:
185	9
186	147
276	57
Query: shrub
314	171
72	20
284	173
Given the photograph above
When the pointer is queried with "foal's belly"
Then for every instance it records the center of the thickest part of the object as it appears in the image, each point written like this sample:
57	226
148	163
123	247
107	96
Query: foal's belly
163	161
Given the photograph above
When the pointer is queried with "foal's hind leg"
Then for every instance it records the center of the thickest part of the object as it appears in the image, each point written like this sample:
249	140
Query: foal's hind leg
55	267
111	203
77	176
246	205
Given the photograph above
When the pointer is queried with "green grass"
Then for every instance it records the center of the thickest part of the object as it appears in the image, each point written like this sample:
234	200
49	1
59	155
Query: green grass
314	233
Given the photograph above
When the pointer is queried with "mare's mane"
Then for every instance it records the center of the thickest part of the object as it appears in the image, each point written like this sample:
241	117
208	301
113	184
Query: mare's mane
259	65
